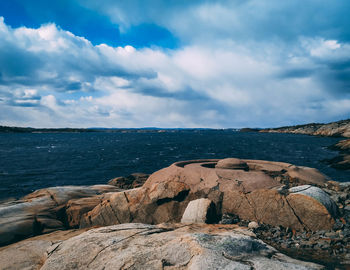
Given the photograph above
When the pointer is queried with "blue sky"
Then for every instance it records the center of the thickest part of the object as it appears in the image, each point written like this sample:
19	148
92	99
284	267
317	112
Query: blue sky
257	63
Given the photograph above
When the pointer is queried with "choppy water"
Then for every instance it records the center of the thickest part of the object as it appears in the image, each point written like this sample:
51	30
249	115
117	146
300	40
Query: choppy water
32	161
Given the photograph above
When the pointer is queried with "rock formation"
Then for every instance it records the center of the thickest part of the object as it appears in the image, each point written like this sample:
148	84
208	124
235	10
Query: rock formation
253	190
343	160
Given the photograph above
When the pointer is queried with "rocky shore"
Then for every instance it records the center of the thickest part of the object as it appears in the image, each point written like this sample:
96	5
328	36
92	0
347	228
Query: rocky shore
201	214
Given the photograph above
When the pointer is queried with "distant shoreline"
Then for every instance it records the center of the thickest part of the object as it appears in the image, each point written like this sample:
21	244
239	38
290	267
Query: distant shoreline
333	129
7	129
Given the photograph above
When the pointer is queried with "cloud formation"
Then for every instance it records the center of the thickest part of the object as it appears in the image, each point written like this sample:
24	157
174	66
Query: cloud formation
237	63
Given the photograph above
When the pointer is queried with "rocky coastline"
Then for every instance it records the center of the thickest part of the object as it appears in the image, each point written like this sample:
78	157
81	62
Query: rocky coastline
333	129
201	214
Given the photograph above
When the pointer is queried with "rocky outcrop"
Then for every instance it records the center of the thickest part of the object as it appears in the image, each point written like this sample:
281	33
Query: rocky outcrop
253	190
343	145
141	246
334	129
342	161
44	210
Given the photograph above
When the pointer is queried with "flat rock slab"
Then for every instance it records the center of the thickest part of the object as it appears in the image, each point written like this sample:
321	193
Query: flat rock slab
141	246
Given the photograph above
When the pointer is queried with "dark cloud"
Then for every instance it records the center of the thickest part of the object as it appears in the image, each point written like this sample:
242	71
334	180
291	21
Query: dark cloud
16	62
296	73
187	94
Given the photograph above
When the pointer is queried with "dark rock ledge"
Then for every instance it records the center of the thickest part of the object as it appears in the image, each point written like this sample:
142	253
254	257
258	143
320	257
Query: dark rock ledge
211	214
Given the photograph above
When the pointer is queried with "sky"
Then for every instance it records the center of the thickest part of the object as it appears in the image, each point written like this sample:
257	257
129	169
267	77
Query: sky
173	63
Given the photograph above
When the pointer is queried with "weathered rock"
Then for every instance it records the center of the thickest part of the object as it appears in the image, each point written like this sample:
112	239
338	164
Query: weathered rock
140	246
256	193
317	194
76	208
263	206
134	180
199	211
42	211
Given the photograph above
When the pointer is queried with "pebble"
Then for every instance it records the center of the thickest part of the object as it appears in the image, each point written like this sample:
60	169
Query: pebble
253	225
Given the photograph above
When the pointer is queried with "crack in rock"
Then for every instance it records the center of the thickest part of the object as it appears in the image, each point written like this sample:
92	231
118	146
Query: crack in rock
298	218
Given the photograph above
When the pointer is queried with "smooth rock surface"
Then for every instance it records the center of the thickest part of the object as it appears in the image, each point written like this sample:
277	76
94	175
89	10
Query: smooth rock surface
141	246
232	163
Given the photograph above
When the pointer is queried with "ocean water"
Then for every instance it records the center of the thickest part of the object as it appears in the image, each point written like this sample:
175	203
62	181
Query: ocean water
31	161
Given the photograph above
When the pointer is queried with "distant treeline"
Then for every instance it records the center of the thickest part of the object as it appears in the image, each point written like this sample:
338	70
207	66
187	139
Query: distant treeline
6	129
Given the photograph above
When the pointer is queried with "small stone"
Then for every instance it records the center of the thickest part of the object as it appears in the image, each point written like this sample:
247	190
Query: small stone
331	234
253	225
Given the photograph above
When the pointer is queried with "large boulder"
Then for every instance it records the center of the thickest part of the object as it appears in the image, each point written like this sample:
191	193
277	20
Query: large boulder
141	246
252	189
313	207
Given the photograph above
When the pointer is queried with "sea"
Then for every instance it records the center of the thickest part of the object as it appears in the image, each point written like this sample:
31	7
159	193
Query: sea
31	161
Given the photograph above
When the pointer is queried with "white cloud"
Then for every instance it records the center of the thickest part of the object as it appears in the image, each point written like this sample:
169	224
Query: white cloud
50	77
